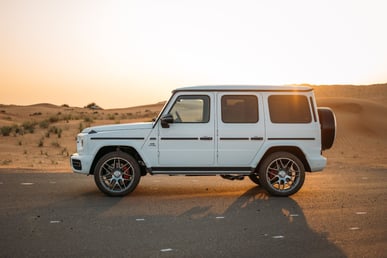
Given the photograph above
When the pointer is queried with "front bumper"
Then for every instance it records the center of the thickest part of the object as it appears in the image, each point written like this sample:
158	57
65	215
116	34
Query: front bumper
81	164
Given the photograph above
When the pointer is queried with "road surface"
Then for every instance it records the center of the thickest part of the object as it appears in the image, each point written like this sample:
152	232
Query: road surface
337	213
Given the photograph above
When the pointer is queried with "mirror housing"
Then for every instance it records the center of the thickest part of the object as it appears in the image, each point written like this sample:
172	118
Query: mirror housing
166	120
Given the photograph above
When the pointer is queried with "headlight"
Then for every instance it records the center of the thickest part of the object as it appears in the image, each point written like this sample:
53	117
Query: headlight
80	143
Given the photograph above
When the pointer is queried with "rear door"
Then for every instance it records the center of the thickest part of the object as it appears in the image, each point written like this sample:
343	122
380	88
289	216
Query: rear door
241	129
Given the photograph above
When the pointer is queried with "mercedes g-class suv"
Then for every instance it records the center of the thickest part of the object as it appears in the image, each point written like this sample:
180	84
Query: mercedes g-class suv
272	134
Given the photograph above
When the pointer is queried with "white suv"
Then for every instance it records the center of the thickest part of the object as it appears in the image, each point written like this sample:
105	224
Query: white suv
272	134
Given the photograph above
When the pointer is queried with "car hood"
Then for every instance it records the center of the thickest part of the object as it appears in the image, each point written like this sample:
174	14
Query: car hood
119	127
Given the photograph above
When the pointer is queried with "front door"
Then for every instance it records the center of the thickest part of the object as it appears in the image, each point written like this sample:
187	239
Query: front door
189	141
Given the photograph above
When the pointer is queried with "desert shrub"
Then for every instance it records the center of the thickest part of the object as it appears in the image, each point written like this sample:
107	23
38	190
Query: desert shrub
90	105
65	152
111	117
18	130
67	117
44	124
81	127
65	105
53	119
123	116
93	106
6	130
88	119
55	144
41	142
29	126
6	162
54	130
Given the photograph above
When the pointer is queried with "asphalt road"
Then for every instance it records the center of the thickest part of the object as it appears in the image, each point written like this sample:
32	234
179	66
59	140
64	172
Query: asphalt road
338	213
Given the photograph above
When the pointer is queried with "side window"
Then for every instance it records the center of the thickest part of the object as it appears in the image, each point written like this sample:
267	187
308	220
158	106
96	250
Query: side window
191	109
239	109
289	109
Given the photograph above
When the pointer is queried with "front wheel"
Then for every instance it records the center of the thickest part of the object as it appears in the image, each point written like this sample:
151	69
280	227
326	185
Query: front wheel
117	174
282	174
254	177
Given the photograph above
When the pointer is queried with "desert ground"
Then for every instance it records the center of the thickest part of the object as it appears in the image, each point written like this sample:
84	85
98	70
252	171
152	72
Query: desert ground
41	137
338	213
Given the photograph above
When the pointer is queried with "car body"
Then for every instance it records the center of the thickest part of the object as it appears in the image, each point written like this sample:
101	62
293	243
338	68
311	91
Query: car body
272	134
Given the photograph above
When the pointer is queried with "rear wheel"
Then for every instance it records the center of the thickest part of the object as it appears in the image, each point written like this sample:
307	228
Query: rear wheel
117	174
282	174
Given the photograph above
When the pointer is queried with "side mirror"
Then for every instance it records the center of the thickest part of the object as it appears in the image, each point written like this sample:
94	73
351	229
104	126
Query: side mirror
166	120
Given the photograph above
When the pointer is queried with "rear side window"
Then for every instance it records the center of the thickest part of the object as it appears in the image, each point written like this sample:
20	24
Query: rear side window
289	109
239	109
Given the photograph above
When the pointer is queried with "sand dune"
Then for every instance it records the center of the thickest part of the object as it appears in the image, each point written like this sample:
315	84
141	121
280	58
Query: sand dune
376	93
361	131
358	116
361	113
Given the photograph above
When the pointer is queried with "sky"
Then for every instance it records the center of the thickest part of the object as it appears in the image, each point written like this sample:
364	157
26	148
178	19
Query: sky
135	52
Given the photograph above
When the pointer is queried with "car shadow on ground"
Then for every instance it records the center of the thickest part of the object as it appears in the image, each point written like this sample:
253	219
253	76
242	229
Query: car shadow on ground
183	220
210	222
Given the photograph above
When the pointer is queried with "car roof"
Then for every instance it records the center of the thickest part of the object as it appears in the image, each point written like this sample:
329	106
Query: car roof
269	88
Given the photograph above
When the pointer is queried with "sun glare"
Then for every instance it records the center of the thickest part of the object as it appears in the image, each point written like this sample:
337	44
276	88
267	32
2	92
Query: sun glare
65	49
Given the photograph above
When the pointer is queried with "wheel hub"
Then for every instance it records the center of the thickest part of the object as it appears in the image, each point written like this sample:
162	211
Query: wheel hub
117	174
282	174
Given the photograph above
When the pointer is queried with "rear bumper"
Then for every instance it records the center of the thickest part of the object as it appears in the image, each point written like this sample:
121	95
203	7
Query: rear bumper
317	163
80	164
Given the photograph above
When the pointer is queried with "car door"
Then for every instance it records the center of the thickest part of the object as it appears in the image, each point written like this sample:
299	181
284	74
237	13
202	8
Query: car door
241	129
189	138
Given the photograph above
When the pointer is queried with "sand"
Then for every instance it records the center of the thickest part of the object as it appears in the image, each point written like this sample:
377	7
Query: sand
361	140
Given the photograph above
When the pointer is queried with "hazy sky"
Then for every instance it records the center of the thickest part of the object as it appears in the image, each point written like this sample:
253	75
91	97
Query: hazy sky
127	53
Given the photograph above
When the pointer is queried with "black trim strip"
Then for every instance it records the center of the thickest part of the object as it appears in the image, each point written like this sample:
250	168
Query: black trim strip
234	138
256	138
206	138
237	90
202	169
153	138
313	110
117	138
298	139
180	138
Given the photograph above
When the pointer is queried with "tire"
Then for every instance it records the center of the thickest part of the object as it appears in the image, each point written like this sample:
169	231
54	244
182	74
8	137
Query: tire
254	177
281	174
328	127
117	174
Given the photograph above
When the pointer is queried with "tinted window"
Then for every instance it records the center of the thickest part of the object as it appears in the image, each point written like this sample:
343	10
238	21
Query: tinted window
239	109
289	109
191	109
